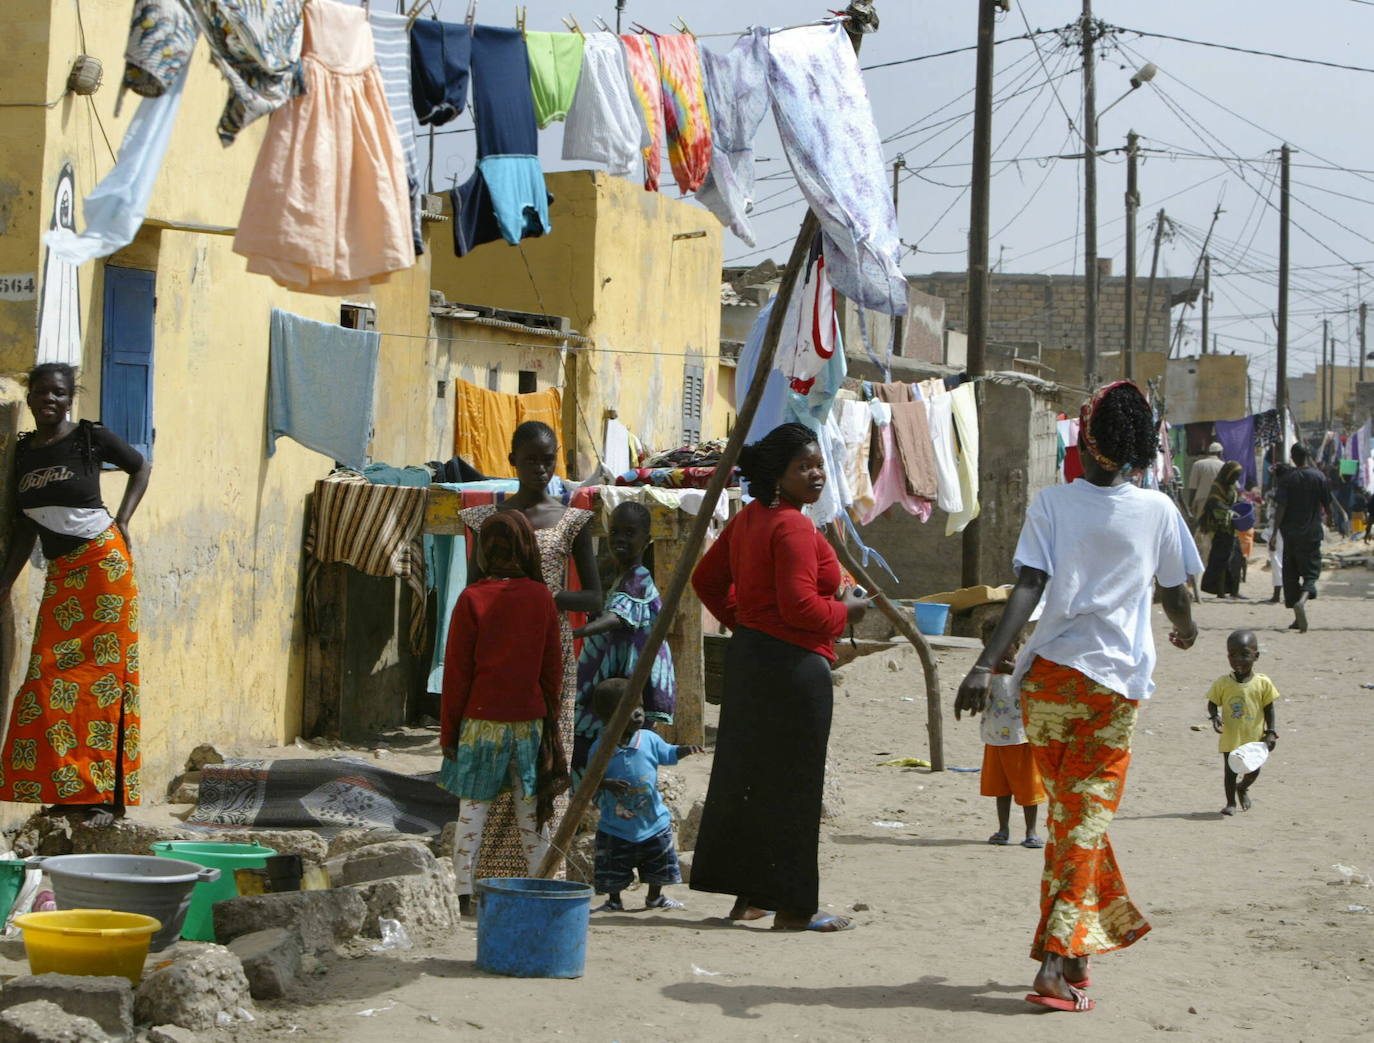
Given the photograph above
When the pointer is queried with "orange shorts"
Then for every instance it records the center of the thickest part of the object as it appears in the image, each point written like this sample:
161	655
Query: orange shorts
1010	771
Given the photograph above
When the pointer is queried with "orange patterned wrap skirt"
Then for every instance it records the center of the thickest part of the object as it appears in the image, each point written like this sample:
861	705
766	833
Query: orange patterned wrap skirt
74	726
1080	732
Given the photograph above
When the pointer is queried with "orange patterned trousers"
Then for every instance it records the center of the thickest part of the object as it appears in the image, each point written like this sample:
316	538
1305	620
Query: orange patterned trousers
1080	732
74	726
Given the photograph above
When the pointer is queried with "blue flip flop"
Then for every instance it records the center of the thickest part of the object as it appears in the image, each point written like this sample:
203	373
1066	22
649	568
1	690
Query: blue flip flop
822	926
1000	838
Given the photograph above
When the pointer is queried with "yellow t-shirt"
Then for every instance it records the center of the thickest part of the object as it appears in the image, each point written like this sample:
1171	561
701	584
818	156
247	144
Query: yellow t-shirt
1242	708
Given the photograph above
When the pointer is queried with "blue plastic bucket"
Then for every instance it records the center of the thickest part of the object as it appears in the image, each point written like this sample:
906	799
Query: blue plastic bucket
931	618
1243	515
530	928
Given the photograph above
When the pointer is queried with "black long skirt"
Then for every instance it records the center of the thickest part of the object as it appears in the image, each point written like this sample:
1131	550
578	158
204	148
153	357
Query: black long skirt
1224	562
761	823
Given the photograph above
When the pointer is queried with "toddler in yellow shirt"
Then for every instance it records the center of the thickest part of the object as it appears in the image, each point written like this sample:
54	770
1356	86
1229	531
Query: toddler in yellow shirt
1238	703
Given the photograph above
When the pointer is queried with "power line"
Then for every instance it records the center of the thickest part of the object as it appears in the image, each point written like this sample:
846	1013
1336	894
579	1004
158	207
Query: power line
1241	50
957	50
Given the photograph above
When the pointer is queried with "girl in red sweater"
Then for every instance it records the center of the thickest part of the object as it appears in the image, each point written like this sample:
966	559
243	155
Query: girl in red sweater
503	672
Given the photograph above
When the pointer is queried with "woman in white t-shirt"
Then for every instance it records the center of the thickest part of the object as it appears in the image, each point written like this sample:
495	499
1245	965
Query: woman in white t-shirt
1093	550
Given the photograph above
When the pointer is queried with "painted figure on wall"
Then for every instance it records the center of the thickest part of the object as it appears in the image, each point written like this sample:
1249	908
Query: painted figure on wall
59	307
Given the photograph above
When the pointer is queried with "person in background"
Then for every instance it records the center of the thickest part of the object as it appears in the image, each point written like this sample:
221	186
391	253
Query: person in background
1200	478
1094	550
1276	538
1369	517
611	643
774	581
1302	497
1237	704
1008	761
503	676
562	538
635	830
74	739
1222	577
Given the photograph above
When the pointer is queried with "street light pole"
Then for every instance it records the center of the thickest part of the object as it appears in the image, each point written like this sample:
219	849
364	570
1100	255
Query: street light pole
1281	389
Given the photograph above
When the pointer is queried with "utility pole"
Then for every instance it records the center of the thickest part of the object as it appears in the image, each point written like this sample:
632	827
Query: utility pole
979	196
1206	298
1150	292
1364	309
898	321
1324	375
1089	198
1132	204
1281	389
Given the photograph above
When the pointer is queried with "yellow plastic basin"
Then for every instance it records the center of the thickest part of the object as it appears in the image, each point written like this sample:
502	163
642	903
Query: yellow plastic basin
87	941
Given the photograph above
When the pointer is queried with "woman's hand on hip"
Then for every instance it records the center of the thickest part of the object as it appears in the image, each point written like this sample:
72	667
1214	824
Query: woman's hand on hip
123	528
973	692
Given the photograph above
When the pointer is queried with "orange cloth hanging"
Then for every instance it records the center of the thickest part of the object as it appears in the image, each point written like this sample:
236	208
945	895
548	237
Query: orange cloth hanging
485	421
686	120
647	81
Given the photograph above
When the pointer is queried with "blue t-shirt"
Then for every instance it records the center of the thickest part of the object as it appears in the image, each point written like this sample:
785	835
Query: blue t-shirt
639	813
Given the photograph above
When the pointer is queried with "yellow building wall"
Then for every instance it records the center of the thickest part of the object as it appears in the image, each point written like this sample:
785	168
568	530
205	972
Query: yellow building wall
218	538
1345	378
637	272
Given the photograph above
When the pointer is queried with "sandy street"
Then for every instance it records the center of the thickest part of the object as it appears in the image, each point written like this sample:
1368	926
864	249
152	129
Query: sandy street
1254	937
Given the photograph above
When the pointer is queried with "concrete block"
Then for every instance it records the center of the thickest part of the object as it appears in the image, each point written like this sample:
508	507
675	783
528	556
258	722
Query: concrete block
309	845
427	902
324	918
352	839
171	1034
41	1021
202	755
396	858
271	960
122	837
193	989
109	1002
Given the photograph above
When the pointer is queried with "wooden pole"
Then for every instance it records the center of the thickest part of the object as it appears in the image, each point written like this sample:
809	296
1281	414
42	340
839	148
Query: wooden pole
1132	204
1150	287
1089	198
979	306
582	798
1281	387
903	622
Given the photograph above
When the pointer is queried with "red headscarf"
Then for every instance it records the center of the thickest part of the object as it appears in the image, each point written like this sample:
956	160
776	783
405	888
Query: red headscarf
1086	422
508	548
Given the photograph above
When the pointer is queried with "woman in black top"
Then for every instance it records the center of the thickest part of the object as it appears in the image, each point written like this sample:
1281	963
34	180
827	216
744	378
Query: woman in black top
73	737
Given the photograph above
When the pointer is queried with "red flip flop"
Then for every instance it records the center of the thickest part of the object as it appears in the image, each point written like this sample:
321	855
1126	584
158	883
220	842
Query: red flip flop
1079	984
1055	1003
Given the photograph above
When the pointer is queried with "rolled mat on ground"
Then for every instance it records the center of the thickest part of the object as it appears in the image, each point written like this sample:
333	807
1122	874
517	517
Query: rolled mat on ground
327	795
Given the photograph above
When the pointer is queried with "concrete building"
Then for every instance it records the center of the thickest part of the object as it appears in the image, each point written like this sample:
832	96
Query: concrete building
218	537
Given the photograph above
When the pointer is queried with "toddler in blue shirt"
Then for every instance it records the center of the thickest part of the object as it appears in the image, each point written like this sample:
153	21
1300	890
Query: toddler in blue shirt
636	829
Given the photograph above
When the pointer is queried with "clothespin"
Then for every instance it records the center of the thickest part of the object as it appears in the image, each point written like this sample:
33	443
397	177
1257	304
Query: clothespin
416	11
571	23
472	13
601	24
681	26
520	18
636	27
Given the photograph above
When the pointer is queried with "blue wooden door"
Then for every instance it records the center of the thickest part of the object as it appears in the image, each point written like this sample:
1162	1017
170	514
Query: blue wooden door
126	378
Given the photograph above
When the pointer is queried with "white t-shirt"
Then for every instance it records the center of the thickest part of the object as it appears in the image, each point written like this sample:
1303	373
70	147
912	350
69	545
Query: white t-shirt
1001	724
1102	548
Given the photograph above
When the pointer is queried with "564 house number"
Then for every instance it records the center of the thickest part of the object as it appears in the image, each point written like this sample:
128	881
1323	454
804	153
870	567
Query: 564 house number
18	287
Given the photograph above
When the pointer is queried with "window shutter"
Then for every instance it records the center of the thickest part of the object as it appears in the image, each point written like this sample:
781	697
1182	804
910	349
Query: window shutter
693	396
126	377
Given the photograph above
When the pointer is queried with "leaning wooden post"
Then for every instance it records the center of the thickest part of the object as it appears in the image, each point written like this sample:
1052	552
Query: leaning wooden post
934	721
585	793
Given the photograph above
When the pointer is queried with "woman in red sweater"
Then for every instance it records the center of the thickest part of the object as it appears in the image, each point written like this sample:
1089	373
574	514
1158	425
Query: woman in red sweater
503	674
774	581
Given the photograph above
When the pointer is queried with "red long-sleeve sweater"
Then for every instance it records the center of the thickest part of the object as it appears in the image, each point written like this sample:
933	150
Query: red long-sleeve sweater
771	570
503	661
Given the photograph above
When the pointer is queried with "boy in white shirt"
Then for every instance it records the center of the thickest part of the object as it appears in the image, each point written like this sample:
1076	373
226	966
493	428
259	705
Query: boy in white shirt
1008	763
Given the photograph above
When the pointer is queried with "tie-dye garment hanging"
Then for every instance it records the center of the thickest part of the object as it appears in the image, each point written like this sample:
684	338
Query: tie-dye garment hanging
648	88
685	117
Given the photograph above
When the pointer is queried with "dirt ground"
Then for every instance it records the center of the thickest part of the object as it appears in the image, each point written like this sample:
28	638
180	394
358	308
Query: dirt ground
1254	935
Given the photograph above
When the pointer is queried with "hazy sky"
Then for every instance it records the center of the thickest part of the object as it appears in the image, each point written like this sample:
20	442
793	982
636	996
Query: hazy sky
923	110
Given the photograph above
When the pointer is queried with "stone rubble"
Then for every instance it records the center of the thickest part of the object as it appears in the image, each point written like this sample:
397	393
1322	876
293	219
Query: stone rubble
271	960
324	918
193	989
109	1002
42	1021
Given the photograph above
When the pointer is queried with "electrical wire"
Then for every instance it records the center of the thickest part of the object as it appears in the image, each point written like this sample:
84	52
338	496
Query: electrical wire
1240	50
